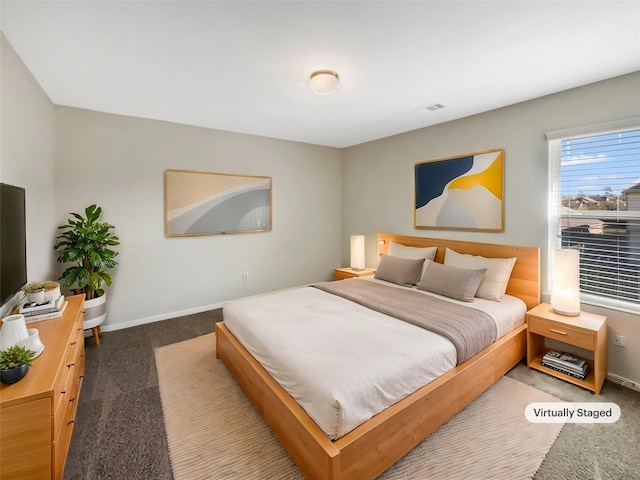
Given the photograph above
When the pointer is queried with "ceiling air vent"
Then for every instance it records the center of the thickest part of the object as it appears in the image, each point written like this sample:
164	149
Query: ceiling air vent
434	106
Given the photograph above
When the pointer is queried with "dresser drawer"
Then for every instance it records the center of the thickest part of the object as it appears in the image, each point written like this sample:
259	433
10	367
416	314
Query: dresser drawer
64	395
562	333
66	385
60	449
64	419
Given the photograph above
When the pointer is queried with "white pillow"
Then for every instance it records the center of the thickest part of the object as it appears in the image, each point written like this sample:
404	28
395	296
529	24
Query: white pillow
428	253
494	283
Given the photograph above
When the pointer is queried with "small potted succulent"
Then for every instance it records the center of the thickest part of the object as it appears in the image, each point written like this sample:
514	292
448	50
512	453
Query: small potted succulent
14	363
43	291
34	292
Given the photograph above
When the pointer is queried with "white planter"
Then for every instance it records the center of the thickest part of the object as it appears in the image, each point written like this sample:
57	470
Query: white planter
51	294
37	297
95	312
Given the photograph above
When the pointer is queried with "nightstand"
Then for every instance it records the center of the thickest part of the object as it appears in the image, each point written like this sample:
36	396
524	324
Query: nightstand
343	273
587	331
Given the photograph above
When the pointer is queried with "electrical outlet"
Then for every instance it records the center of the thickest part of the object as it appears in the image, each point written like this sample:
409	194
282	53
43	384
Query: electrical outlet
245	276
620	341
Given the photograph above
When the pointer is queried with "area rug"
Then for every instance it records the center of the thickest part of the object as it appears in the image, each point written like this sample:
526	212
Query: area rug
215	433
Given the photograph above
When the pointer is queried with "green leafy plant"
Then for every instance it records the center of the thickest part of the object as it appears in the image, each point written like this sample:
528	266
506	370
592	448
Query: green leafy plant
15	356
86	243
32	287
37	286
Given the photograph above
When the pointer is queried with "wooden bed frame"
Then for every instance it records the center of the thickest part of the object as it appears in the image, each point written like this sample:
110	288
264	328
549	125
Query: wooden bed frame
370	449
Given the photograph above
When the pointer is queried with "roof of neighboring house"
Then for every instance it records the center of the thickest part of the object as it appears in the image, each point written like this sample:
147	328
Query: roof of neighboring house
591	198
575	218
634	189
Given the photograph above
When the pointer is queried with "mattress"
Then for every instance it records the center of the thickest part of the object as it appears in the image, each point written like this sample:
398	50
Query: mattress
343	362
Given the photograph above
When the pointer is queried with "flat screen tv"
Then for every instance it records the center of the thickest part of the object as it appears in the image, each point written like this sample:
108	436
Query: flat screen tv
13	241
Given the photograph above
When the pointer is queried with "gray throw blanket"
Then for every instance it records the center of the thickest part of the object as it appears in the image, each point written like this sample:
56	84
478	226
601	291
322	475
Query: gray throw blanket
469	329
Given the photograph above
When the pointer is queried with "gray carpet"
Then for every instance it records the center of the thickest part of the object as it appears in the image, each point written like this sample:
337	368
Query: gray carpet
119	432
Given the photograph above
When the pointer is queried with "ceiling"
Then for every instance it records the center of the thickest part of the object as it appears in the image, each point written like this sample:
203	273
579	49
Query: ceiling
243	66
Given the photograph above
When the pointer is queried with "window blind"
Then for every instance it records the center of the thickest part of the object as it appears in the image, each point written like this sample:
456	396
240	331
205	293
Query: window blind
595	208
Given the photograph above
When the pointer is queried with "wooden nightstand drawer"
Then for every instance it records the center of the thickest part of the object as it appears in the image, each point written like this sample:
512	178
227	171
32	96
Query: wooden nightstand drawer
563	333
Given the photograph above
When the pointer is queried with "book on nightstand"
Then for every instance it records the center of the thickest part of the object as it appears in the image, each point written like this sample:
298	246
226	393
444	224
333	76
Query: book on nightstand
566	363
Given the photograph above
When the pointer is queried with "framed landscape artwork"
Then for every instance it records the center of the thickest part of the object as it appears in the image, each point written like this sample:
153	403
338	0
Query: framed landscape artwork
204	203
464	192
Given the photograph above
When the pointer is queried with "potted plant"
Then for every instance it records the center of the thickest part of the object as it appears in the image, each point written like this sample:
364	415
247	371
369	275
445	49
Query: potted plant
34	292
47	290
86	243
14	363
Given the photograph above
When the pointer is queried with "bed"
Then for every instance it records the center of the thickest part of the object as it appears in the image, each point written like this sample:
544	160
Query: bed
367	450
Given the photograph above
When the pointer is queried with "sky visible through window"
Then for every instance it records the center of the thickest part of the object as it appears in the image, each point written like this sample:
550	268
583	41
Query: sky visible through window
598	217
593	165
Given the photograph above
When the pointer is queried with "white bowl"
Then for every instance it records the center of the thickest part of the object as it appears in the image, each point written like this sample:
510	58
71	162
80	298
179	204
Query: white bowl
33	342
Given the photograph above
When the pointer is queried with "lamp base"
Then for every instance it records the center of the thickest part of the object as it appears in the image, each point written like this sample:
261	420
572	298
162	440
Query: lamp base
566	314
357	269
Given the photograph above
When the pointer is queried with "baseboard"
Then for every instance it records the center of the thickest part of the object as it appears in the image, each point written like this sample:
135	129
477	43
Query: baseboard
167	316
158	318
625	382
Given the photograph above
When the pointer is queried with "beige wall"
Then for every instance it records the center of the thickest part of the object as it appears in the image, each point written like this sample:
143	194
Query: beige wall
27	119
118	163
378	189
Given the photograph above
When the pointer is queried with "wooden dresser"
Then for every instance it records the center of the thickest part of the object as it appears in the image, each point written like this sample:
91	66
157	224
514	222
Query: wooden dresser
37	414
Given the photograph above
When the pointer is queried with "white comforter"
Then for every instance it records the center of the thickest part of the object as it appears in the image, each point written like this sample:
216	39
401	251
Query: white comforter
342	362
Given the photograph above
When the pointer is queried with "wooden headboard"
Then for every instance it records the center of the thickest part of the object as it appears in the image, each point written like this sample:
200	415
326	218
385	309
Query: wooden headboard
525	277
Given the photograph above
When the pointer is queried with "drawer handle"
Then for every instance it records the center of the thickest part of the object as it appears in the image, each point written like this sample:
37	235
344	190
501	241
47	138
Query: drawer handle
63	392
72	399
70	422
557	331
70	365
73	343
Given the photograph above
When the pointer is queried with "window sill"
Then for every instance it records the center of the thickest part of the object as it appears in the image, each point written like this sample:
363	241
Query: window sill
610	303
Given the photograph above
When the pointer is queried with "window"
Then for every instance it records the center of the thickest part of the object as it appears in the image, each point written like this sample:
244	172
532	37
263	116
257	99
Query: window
595	208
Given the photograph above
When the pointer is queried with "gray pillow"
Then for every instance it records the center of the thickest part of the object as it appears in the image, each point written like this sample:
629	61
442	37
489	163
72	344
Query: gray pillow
404	271
459	283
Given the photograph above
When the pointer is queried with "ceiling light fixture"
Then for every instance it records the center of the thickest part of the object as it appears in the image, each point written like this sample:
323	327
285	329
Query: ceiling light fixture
323	82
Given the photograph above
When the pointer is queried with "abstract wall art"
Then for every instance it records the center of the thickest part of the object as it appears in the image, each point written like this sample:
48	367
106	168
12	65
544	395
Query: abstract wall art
203	203
464	192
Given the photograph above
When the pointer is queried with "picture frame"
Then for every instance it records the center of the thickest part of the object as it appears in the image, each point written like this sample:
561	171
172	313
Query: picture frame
464	192
208	203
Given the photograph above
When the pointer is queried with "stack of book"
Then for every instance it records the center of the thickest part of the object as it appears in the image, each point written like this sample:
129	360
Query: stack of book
36	312
566	363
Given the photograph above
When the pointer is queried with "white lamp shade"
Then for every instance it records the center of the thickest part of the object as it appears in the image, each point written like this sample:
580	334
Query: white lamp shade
565	292
323	82
357	252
